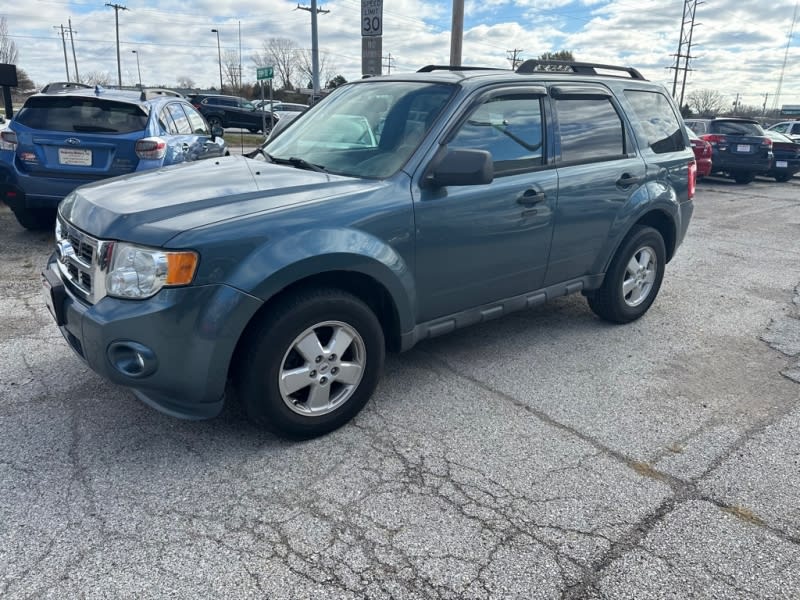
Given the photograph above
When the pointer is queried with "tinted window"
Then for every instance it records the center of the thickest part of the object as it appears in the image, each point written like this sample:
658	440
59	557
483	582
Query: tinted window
179	117
781	128
737	128
197	122
72	113
590	129
659	122
510	128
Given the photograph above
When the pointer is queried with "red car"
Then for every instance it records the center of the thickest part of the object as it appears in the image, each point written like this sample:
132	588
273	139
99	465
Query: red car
702	154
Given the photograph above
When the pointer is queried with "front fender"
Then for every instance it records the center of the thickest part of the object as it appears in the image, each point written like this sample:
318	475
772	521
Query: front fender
305	254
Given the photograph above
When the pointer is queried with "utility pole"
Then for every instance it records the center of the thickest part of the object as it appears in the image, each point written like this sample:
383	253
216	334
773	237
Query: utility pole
514	57
764	106
74	58
314	48
684	47
117	8
388	60
240	58
64	44
777	98
457	33
736	104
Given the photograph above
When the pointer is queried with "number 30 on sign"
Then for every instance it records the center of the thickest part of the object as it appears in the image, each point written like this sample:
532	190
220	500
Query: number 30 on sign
371	17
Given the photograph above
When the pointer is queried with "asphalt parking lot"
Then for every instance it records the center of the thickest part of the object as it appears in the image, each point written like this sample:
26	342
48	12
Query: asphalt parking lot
544	455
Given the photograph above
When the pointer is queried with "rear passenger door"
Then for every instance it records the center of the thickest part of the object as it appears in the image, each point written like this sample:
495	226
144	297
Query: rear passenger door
481	243
600	174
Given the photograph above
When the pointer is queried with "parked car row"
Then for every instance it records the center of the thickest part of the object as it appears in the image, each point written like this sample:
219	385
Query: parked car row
742	149
72	135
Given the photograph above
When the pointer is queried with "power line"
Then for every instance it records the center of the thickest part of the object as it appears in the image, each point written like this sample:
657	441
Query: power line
776	100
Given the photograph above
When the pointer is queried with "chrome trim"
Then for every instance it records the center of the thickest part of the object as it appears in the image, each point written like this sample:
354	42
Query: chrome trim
83	261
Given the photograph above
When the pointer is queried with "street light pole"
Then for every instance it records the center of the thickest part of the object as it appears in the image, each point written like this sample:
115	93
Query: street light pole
138	70
219	55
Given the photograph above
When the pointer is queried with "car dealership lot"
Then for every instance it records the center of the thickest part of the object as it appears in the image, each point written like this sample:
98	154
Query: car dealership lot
542	455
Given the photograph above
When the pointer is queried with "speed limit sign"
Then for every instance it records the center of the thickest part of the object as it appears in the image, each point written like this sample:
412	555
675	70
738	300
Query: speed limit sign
371	18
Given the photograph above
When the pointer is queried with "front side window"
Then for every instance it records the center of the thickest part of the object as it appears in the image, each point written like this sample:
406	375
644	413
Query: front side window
657	119
509	128
590	129
781	128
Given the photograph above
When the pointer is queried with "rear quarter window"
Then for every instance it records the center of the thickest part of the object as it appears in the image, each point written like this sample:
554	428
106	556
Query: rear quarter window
657	120
82	115
590	130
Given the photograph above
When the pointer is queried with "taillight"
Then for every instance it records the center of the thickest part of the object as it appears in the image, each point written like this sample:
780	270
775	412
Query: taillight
153	148
8	140
692	178
715	139
767	142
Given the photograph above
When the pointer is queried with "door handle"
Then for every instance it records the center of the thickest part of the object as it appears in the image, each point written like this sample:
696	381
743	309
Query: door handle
530	197
627	180
185	148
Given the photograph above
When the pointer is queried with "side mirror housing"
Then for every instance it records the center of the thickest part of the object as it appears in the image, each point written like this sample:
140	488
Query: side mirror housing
460	167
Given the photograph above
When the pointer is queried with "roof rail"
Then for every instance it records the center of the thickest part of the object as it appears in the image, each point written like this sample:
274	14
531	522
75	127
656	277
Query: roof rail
150	93
429	68
61	86
580	68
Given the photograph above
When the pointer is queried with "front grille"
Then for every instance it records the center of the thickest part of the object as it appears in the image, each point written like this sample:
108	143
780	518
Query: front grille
79	259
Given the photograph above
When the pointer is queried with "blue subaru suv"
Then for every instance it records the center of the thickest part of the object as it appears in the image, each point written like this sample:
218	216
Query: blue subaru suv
399	208
60	140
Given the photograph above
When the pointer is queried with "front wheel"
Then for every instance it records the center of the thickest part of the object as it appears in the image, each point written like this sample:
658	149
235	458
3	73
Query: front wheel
633	279
214	122
310	363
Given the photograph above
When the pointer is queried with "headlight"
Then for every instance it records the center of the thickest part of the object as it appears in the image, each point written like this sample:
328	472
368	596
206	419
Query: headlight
138	272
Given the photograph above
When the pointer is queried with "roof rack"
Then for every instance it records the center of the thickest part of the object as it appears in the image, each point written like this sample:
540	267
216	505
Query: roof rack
429	68
580	68
150	93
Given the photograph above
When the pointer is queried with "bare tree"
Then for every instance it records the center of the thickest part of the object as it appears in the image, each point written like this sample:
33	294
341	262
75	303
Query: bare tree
186	82
282	55
327	70
230	70
706	102
561	55
98	78
8	49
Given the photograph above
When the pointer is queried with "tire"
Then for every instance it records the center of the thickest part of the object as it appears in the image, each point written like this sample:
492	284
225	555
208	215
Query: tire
743	176
293	381
214	122
633	279
783	177
35	219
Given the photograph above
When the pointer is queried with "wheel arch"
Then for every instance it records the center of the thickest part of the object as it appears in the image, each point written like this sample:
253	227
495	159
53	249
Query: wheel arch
361	285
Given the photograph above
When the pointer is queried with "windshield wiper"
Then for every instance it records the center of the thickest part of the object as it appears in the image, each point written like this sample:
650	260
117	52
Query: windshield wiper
301	163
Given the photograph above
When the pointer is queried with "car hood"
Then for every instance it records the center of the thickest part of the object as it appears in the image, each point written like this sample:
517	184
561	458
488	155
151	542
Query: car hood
152	207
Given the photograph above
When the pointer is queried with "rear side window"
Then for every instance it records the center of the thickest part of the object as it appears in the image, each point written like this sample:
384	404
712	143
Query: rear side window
510	128
591	130
196	121
657	120
780	128
83	115
179	118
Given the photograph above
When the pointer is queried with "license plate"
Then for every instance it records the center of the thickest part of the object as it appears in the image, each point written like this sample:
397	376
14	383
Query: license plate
743	147
75	156
781	164
54	295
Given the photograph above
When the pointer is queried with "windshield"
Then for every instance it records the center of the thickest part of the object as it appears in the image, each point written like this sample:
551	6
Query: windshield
363	130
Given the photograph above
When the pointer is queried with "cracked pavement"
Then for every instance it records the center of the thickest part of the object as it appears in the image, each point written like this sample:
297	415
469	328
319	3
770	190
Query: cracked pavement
543	455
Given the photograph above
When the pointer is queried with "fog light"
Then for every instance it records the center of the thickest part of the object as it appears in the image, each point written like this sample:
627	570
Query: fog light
132	359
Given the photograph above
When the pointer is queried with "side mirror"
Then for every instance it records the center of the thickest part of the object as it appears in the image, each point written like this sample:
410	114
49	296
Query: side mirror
460	167
217	131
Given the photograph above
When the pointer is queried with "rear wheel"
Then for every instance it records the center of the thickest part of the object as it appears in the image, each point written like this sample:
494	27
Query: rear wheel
35	218
633	279
311	363
783	177
743	176
214	122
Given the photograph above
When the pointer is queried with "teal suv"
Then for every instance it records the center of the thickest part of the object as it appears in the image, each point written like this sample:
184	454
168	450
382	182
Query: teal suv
398	208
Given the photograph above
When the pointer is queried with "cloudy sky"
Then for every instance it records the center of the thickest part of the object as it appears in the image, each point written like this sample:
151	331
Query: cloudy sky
738	45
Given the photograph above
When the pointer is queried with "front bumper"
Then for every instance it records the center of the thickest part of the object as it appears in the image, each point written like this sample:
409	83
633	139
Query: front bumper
173	350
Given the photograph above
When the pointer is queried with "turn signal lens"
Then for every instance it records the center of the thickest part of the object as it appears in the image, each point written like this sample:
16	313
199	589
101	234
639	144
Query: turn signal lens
180	267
